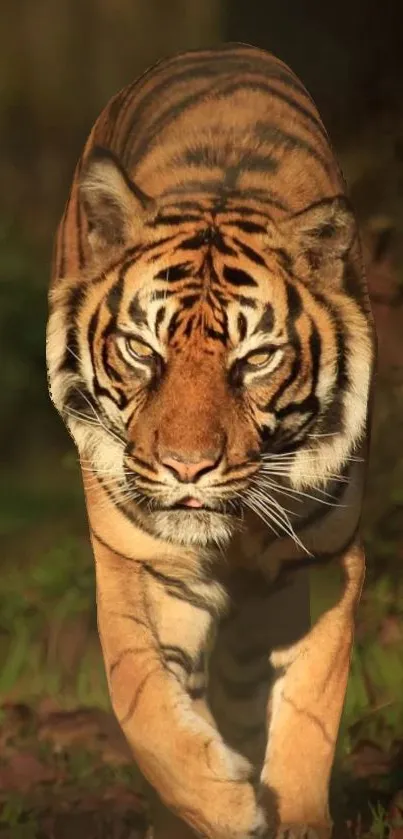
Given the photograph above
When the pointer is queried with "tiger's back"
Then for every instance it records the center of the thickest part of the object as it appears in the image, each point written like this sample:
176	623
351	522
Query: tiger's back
210	128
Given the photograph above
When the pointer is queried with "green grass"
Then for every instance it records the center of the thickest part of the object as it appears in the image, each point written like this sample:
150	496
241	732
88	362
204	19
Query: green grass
48	589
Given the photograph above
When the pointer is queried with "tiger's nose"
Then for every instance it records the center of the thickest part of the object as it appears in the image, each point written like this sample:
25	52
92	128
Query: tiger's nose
189	471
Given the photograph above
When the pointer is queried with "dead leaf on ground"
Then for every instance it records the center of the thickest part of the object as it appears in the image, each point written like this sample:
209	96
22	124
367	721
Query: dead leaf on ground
90	728
23	771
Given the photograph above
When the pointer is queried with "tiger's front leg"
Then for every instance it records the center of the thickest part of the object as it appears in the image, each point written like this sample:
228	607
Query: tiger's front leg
305	710
153	626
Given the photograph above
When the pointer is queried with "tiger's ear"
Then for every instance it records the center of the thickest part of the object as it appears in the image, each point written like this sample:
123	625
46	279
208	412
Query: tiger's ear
319	237
115	207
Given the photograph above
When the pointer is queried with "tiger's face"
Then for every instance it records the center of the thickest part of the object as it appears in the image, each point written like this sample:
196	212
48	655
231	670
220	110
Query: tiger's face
206	363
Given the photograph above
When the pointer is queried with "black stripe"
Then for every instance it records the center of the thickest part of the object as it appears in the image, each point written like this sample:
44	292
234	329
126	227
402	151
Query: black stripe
213	186
250	252
159	317
238	277
114	298
138	693
243	210
197	692
248	226
189	328
189	300
244	301
163	219
91	332
235	210
108	367
242	325
177	655
270	133
162	295
136	312
110	329
121	399
273	93
189	67
294	306
315	346
108	547
156	94
180	590
218	156
75	300
333	418
78	399
309	405
195	242
168	115
175	273
266	322
112	266
174	324
144	464
215	335
221	245
133	254
122	655
184	206
125	616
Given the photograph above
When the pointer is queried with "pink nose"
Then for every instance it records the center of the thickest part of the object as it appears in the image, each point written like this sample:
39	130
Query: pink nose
187	471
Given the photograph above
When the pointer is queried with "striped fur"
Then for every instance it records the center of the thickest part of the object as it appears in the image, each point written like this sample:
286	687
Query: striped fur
210	348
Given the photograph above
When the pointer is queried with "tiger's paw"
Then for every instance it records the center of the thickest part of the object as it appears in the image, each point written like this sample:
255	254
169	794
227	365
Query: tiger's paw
228	803
240	820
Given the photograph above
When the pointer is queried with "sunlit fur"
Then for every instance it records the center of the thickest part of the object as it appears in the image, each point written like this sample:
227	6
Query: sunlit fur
210	348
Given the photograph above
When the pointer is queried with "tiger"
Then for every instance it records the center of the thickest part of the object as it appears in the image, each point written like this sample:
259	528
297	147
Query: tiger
211	351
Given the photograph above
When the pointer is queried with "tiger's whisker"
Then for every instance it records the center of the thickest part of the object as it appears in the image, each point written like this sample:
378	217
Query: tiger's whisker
291	491
108	431
282	520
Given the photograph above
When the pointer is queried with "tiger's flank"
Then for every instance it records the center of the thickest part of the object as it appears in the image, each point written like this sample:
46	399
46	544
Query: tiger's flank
210	348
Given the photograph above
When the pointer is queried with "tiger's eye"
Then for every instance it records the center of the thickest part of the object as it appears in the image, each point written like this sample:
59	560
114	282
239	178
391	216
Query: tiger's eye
258	359
139	350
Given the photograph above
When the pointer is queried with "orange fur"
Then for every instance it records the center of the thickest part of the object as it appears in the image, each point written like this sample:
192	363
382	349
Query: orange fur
210	348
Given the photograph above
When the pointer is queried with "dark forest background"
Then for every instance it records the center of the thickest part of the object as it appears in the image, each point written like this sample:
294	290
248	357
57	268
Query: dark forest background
63	765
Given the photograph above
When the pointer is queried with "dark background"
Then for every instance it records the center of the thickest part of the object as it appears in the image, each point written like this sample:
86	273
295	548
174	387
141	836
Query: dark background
59	64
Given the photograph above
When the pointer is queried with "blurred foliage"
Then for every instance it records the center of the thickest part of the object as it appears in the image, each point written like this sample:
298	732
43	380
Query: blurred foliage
58	68
23	312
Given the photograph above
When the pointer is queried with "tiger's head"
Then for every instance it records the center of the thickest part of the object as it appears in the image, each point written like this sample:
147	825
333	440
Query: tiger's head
208	353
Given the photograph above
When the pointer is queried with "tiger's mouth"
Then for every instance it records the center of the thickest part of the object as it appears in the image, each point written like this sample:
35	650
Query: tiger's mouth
194	522
191	504
193	526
